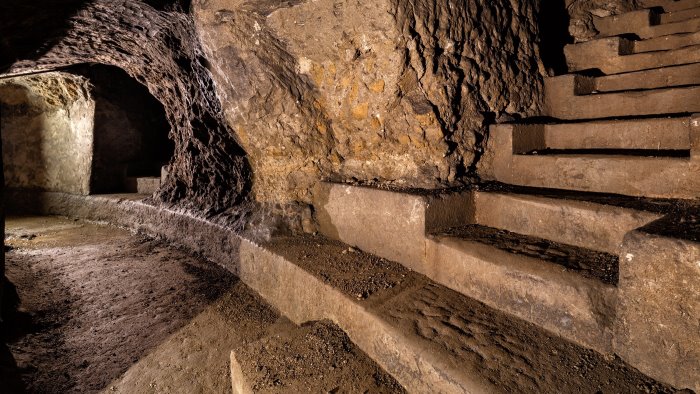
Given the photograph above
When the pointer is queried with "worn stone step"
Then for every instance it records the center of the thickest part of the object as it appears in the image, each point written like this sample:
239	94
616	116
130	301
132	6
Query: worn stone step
678	16
570	97
665	43
645	24
641	134
564	289
433	339
142	185
656	177
585	224
684	75
671	5
615	55
393	225
628	22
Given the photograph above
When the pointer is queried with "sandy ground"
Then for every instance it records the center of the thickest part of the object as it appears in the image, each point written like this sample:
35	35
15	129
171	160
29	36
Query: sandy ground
97	308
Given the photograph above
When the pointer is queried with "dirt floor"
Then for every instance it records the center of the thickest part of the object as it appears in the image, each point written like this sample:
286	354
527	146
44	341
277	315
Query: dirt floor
96	308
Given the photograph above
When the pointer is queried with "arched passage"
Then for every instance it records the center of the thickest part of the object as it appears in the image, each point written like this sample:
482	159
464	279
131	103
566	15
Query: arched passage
91	130
130	143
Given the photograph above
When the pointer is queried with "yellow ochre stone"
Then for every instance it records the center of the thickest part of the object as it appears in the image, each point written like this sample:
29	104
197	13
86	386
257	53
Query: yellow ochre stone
360	111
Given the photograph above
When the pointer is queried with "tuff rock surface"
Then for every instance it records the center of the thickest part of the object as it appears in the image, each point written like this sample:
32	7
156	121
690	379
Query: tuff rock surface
386	91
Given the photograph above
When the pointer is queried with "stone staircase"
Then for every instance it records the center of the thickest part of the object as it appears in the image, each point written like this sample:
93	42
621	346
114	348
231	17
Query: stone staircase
586	225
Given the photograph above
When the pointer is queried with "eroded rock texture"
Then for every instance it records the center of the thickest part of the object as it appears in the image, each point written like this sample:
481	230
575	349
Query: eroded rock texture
209	171
582	12
386	91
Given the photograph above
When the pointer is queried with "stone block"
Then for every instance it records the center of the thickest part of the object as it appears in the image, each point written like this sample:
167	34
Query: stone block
387	223
658	324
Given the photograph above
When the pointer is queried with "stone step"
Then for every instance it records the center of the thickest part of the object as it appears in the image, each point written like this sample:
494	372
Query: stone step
684	75
644	176
432	339
394	225
645	24
640	134
564	289
616	55
671	5
584	224
666	43
142	185
681	15
571	97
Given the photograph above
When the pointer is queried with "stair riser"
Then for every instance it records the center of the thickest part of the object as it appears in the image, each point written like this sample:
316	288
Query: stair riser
679	16
566	98
626	175
643	24
651	134
667	43
385	223
671	5
591	226
547	295
650	79
616	55
664	272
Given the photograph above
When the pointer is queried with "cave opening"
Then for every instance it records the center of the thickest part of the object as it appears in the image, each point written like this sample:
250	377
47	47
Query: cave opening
91	129
131	143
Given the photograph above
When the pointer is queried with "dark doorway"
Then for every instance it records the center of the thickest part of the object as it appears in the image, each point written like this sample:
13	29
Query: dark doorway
130	131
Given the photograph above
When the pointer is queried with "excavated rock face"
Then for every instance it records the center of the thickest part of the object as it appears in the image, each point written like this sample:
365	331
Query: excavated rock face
582	13
209	171
385	91
47	132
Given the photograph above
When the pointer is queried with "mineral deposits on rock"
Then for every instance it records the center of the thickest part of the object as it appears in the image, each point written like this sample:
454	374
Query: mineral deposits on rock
385	91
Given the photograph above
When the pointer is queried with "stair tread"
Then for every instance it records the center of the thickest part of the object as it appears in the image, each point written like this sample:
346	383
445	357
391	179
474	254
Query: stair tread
657	78
671	5
589	263
456	329
656	205
615	55
666	43
681	15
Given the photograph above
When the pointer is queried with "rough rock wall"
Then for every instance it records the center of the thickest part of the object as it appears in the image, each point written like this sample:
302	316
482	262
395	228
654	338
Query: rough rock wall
47	132
159	48
386	91
582	12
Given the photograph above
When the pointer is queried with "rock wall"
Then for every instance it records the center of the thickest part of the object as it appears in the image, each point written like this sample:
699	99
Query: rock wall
384	91
47	132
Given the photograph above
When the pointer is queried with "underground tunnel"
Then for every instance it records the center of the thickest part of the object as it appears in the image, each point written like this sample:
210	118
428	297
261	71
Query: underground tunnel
335	196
